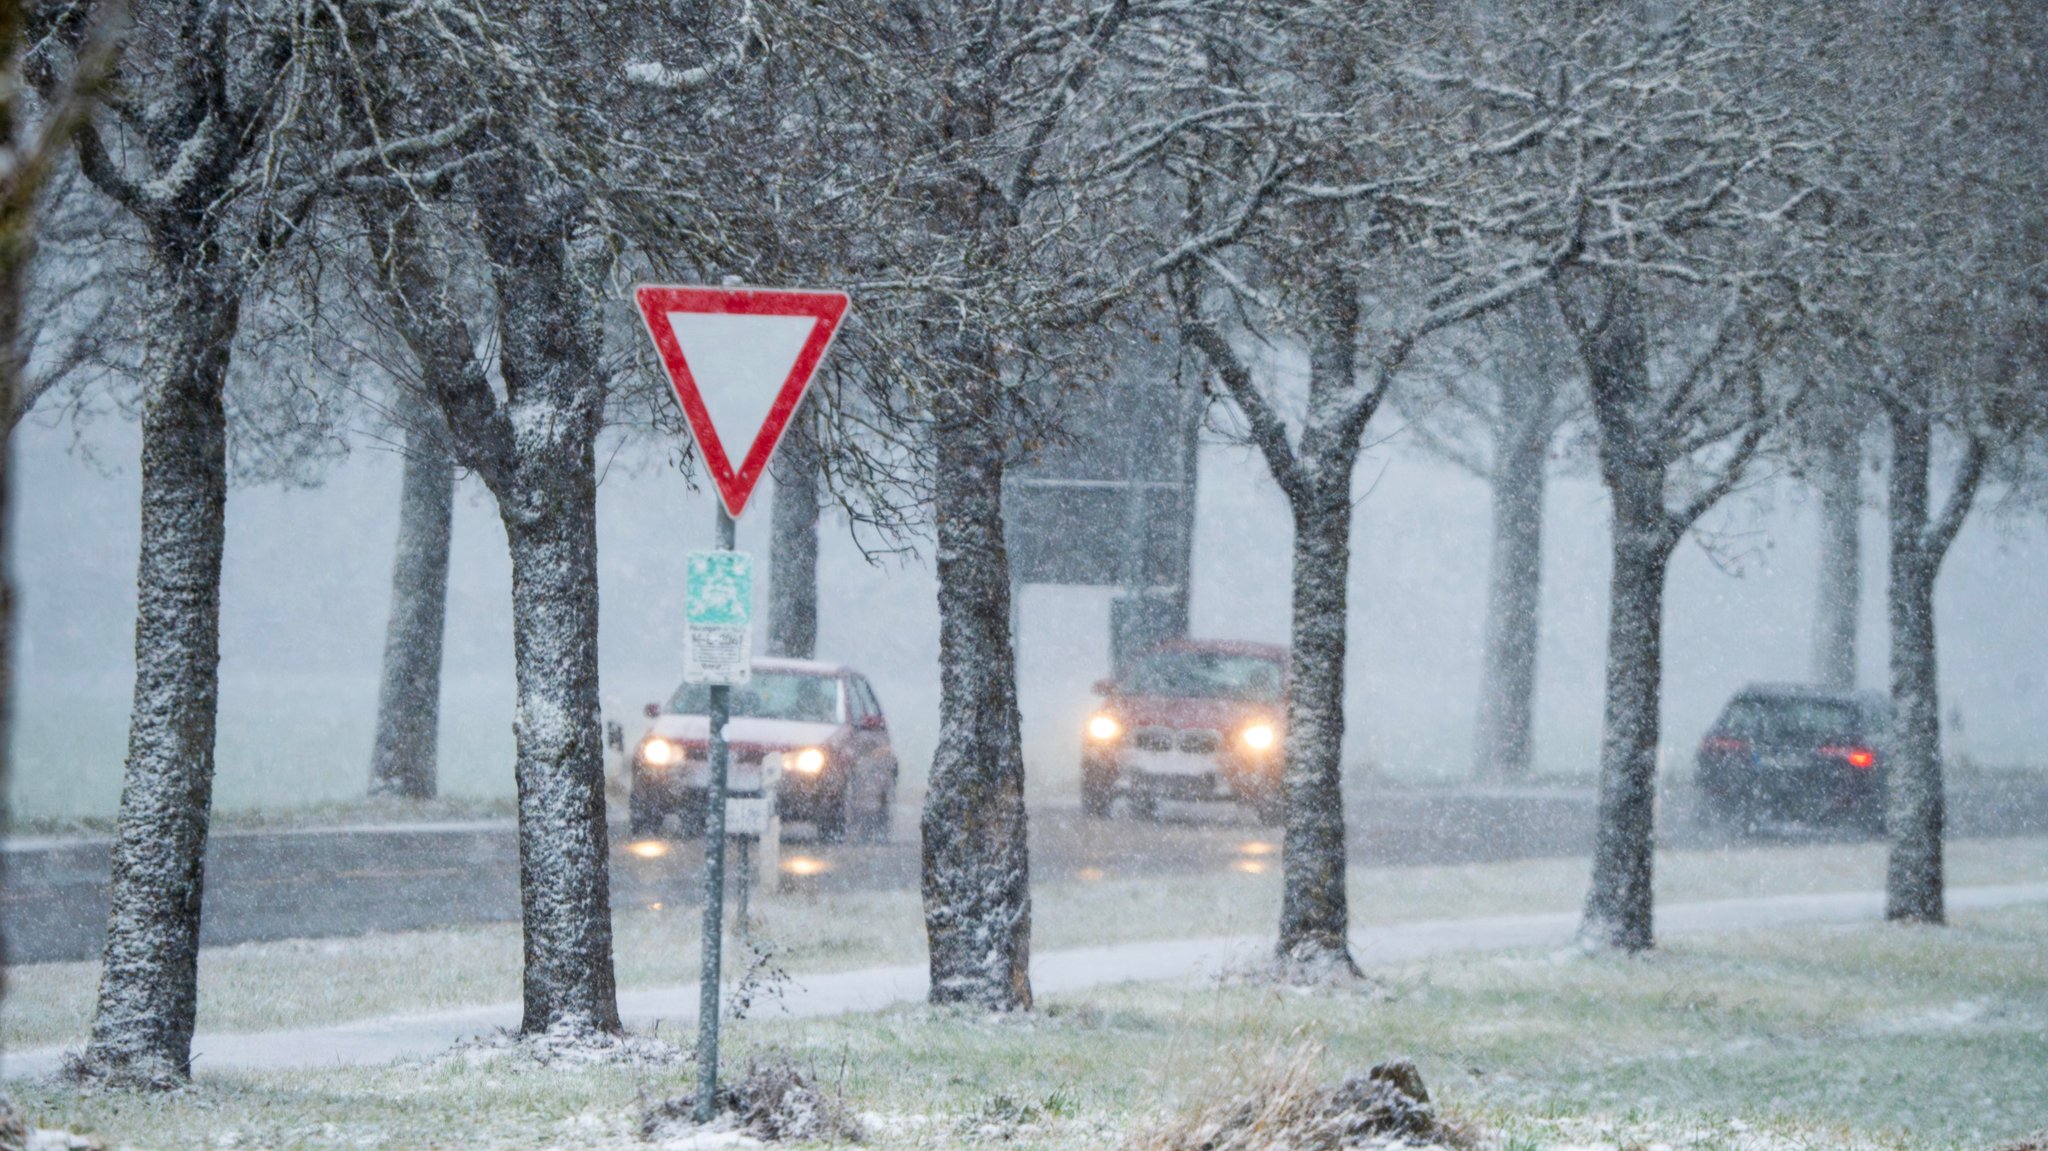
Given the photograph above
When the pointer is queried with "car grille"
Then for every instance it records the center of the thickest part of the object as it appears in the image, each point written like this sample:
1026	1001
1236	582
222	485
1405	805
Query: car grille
703	755
1199	742
1152	739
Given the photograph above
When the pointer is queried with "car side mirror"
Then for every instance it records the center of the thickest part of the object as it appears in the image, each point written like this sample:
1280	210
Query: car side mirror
1104	687
871	723
652	711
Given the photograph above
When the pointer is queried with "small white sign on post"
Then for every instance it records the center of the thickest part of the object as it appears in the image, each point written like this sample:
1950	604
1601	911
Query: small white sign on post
718	617
746	815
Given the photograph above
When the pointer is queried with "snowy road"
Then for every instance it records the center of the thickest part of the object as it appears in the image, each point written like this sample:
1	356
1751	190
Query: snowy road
1052	973
279	885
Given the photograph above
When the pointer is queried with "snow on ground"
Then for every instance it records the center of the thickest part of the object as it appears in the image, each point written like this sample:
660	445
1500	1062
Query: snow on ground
1052	973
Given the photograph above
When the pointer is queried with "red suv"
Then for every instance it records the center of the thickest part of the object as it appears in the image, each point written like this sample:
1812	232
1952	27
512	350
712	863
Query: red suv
1194	720
821	719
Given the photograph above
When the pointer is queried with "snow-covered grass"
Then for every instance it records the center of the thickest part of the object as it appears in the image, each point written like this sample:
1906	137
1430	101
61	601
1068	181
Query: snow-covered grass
308	982
1862	1036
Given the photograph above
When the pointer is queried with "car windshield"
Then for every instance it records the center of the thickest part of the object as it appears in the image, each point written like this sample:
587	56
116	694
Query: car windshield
770	695
1791	719
1204	675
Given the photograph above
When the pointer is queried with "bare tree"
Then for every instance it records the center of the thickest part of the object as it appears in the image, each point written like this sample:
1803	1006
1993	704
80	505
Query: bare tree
1834	469
1493	400
402	759
1478	167
190	111
988	229
32	143
541	183
1942	190
1684	161
793	547
1681	407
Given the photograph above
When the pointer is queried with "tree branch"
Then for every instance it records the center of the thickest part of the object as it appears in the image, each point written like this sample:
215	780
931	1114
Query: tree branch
1269	432
1934	543
478	427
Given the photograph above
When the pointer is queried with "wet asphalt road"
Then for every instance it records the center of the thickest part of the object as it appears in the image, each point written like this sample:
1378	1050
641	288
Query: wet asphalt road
275	885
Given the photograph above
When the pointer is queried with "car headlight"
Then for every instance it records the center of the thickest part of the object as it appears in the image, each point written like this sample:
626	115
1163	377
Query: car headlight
1259	736
1104	727
658	752
810	760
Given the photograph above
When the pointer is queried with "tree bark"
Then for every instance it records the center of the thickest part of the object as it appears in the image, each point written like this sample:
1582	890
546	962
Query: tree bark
976	863
1632	466
564	878
1315	915
793	547
142	1029
1618	906
547	497
1507	695
1915	812
1838	478
402	761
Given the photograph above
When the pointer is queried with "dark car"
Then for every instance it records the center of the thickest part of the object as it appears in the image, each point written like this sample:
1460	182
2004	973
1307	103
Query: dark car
1784	752
820	720
1191	720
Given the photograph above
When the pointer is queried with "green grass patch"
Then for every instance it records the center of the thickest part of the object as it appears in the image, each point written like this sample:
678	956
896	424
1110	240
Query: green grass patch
1865	1036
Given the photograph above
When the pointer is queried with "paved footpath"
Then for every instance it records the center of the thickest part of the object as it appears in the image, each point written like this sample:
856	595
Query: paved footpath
376	1041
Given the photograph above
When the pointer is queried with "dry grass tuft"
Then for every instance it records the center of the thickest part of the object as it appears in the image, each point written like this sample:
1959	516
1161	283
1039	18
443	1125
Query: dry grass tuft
1272	1100
775	1101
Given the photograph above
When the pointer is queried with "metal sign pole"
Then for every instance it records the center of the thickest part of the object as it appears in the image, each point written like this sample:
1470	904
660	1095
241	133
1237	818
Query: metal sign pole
714	884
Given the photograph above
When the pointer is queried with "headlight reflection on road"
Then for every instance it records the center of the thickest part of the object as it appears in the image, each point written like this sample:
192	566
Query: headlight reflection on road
1251	866
648	848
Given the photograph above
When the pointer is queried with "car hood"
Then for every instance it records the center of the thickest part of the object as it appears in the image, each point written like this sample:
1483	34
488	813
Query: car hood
768	734
1167	711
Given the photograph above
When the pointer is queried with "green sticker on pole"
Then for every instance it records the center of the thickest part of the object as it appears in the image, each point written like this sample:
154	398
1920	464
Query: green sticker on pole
718	617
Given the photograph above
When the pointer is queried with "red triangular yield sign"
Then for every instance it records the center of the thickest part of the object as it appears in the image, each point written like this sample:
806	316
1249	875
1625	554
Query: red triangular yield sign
740	359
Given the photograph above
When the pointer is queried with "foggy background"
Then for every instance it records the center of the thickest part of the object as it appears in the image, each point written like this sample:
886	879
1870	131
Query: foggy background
307	583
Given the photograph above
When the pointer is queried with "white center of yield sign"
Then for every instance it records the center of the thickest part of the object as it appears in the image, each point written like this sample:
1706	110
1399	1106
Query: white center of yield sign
740	363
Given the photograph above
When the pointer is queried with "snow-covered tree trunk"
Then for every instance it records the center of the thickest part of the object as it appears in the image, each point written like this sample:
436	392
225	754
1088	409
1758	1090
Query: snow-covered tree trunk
977	867
1507	693
149	977
546	487
1838	478
1618	906
402	760
1633	469
793	544
1916	812
1315	476
564	878
1315	915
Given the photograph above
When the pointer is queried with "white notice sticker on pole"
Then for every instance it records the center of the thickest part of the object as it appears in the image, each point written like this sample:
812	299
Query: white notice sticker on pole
718	617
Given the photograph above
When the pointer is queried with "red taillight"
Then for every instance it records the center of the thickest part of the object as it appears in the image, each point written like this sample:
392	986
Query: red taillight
1724	743
1861	758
